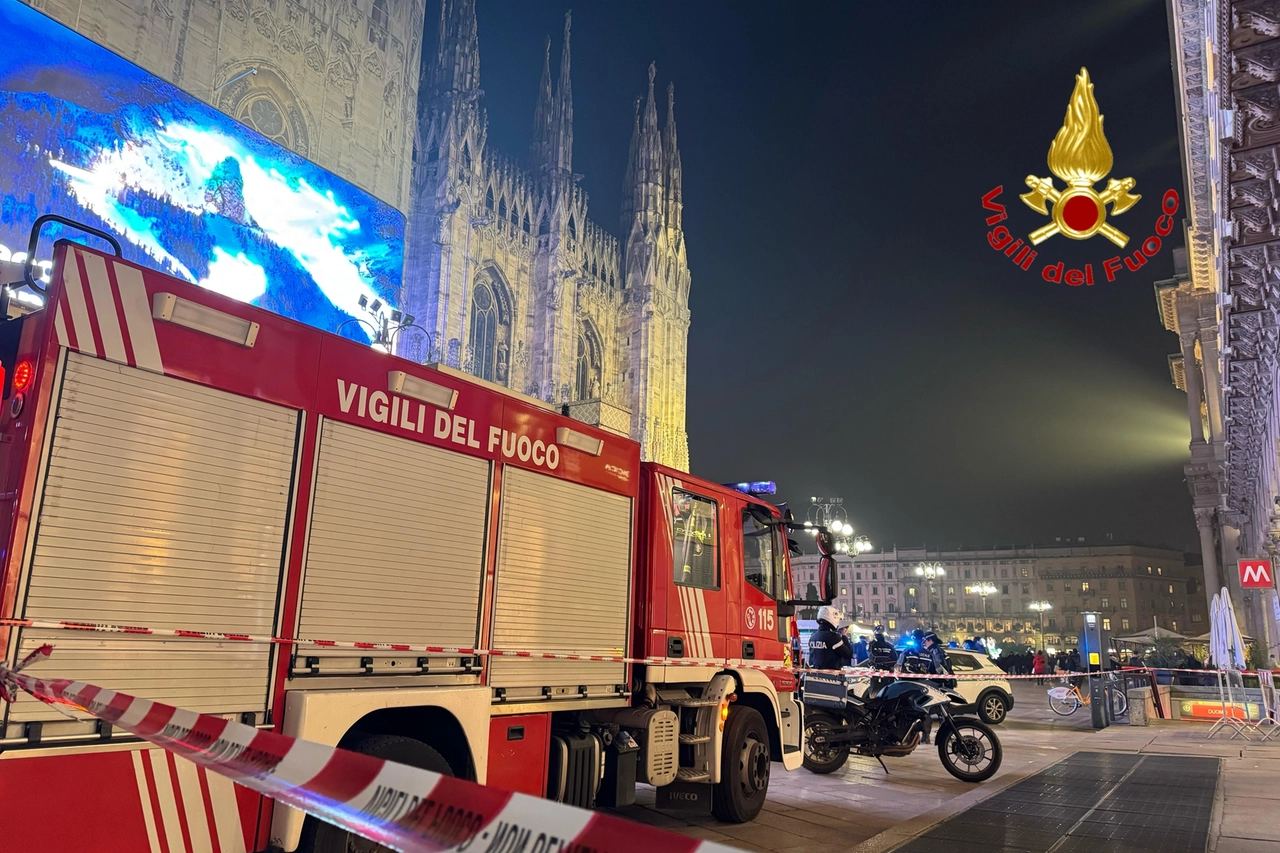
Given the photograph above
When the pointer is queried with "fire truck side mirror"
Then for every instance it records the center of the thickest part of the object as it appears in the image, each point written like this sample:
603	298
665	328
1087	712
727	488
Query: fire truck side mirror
827	576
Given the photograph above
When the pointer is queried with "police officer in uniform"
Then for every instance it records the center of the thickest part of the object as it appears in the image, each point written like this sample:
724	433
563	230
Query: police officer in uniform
829	648
881	650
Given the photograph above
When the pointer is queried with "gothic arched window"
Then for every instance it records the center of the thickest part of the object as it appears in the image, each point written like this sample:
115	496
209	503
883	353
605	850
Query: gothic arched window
466	156
484	332
582	370
526	223
488	198
502	208
544	225
378	24
573	229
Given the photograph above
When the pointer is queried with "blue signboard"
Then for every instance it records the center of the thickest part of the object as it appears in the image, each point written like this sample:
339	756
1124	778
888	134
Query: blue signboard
187	189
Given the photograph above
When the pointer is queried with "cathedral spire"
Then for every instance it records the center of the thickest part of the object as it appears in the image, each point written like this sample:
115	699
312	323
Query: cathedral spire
648	174
540	150
457	65
674	178
562	156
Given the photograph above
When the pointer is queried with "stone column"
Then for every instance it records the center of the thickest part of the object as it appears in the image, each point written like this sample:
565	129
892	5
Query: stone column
1209	552
1194	391
1212	381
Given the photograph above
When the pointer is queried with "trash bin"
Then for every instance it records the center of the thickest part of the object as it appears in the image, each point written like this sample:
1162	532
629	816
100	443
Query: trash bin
618	788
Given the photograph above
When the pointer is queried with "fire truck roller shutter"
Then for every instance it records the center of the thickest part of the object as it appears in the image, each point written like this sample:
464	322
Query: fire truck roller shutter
396	548
564	565
165	504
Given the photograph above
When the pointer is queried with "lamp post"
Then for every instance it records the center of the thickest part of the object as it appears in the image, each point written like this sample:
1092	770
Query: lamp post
930	572
1041	607
983	589
385	330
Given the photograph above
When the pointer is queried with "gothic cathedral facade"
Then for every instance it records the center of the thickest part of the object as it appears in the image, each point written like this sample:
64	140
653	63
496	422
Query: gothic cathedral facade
510	279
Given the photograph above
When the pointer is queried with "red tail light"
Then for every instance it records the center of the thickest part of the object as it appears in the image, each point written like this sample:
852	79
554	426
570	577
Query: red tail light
22	376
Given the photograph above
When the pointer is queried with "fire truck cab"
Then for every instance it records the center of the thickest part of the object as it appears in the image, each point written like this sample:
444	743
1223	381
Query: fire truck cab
427	567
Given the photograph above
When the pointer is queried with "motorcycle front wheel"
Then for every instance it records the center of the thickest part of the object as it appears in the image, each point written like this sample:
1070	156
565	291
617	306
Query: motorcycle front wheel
969	750
820	755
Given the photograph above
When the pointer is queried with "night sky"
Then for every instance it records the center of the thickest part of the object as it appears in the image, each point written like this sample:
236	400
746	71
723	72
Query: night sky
853	333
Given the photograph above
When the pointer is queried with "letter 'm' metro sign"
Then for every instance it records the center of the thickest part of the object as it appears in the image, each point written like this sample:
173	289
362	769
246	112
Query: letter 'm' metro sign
1256	574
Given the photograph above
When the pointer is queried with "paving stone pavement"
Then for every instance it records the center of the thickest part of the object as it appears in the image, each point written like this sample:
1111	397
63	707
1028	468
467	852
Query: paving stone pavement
861	810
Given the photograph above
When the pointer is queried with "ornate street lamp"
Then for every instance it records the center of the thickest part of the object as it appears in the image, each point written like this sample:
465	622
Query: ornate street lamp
930	572
983	589
1040	606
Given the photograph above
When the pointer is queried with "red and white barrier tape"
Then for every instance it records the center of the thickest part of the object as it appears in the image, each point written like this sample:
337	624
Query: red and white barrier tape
402	807
180	633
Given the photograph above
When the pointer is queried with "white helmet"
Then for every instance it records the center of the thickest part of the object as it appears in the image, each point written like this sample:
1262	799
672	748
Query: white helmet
831	615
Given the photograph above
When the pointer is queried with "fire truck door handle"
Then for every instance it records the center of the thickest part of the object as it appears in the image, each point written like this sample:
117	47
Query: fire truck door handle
675	647
748	650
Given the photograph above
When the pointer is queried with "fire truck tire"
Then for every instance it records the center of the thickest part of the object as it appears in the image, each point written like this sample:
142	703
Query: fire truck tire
320	837
744	767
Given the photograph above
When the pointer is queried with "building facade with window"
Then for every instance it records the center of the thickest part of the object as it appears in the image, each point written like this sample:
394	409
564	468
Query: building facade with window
1132	588
514	282
1221	302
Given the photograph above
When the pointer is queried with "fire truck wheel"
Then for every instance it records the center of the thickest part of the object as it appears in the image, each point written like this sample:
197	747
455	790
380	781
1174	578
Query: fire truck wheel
320	837
744	767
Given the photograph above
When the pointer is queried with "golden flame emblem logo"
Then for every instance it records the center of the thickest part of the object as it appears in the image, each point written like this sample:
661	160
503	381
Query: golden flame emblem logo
1081	157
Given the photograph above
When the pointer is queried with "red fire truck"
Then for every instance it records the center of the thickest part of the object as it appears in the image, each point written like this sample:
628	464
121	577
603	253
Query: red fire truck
172	458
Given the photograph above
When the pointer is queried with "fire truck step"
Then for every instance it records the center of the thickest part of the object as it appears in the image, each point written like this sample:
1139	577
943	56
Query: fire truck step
688	774
695	738
691	702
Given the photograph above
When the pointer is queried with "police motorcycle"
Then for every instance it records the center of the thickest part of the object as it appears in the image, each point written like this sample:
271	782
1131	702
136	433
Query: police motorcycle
891	718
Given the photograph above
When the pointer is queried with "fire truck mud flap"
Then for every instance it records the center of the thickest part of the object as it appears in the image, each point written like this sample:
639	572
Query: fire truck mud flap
325	717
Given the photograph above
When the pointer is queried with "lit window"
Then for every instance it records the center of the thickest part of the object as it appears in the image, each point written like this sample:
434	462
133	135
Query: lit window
1124	604
1084	586
1171	589
1105	601
893	623
951	590
1106	624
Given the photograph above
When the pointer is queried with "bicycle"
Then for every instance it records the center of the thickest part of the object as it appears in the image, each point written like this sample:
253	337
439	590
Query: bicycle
1064	701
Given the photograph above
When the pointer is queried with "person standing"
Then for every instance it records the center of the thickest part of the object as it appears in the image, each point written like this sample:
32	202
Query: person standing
860	650
829	648
1038	666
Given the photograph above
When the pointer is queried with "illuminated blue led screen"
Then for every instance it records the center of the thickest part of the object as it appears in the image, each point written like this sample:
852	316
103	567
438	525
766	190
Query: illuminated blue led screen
186	189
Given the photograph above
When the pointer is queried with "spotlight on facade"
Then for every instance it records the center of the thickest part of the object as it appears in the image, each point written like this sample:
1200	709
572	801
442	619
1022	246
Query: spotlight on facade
363	301
376	306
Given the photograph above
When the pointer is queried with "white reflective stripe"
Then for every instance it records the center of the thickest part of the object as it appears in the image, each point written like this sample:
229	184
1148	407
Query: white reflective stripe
692	631
193	805
74	289
60	326
226	812
104	306
684	617
168	806
144	794
137	315
698	596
